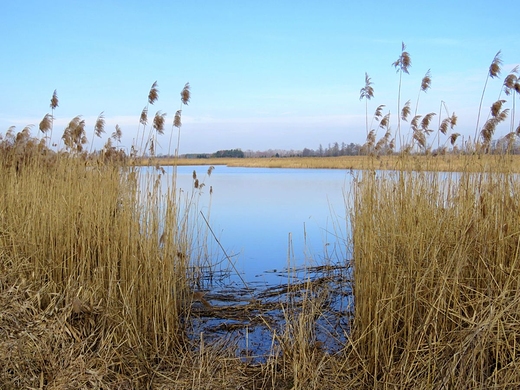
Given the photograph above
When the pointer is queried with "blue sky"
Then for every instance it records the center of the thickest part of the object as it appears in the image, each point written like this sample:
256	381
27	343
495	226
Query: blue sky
269	74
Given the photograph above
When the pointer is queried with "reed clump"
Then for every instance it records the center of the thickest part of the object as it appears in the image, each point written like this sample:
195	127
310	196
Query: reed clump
437	271
87	284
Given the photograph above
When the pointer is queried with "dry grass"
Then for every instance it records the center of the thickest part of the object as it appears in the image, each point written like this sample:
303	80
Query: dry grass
80	244
437	271
446	163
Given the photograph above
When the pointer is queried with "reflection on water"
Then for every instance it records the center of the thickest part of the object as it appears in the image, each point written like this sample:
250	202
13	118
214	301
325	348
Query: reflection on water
264	217
279	237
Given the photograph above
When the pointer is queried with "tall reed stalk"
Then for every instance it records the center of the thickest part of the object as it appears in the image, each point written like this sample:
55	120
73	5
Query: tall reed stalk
401	64
437	271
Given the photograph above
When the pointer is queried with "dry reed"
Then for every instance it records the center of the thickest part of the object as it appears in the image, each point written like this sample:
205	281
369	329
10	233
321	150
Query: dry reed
437	267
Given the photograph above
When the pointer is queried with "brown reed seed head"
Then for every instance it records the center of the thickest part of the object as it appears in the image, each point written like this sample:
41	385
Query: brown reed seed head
404	61
443	128
379	111
494	68
144	116
99	128
158	122
367	92
425	123
453	121
453	138
426	81
177	119
116	135
496	107
46	123
153	95
405	112
54	100
186	94
510	81
385	121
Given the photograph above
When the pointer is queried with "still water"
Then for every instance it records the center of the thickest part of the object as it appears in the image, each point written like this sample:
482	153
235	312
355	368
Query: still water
276	237
267	219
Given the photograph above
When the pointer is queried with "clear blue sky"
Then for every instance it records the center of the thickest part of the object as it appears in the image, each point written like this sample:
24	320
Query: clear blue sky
263	74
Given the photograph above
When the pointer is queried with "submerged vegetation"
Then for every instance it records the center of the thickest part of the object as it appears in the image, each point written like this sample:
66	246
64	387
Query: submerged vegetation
99	276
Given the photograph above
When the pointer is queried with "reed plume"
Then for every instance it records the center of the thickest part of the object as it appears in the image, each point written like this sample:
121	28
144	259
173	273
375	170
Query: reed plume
494	71
53	106
153	95
99	128
74	135
426	84
367	93
117	134
185	99
512	86
401	64
46	123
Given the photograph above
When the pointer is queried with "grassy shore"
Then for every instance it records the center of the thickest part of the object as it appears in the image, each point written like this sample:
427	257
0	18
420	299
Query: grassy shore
96	292
446	163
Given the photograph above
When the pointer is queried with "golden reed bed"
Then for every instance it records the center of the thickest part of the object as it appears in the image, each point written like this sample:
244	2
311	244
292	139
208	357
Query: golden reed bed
447	163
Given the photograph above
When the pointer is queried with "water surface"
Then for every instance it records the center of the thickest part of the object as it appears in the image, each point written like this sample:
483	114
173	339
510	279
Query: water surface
266	218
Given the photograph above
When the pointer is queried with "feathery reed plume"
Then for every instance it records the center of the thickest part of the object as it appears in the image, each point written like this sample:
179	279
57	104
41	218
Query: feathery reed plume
367	93
497	116
510	81
158	122
99	128
46	123
185	99
385	121
74	135
511	85
453	138
448	122
415	122
143	119
153	95
158	126
117	134
425	123
379	111
177	119
54	100
54	104
426	84
405	112
494	71
377	114
186	94
401	64
496	107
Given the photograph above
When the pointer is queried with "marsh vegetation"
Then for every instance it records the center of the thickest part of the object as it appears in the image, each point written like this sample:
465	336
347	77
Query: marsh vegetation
98	289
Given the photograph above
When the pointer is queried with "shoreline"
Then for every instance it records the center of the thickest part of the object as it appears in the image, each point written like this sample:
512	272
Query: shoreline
446	163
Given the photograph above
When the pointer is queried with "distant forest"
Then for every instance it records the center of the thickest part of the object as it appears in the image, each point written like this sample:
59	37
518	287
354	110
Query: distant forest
332	150
335	149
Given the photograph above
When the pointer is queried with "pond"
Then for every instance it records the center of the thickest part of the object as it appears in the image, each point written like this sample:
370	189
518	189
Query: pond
264	217
277	235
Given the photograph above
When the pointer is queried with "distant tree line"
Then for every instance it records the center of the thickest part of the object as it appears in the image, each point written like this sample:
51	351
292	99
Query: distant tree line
336	149
233	153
